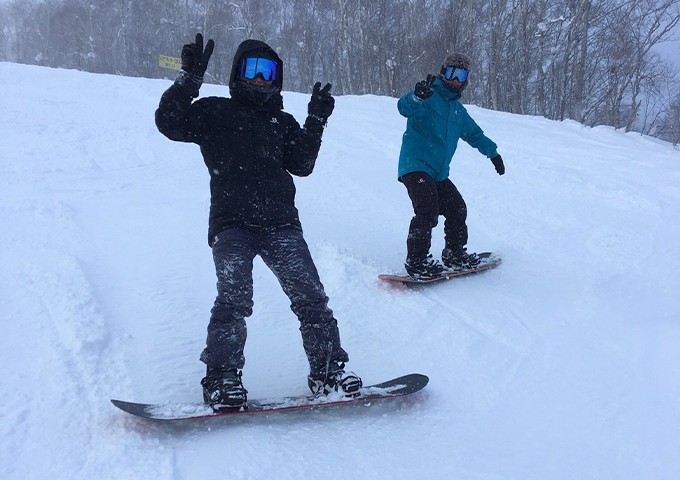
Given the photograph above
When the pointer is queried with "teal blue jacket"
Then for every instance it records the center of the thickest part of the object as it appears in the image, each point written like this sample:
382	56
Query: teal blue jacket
433	128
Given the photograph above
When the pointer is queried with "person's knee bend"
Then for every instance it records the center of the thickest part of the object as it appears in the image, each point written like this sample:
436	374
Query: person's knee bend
427	221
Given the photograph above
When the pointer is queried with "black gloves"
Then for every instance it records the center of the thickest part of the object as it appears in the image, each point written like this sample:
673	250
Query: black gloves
498	164
194	63
195	58
322	103
423	88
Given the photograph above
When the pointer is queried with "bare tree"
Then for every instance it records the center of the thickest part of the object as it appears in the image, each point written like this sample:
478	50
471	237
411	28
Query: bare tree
670	126
590	60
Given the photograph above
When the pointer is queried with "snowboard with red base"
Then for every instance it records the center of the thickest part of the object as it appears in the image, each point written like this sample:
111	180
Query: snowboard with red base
487	261
394	388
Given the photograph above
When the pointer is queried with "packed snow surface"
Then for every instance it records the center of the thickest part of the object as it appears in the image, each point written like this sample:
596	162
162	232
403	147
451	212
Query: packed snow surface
563	363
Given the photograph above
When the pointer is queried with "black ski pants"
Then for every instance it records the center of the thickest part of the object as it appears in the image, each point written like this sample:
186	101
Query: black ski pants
431	199
286	253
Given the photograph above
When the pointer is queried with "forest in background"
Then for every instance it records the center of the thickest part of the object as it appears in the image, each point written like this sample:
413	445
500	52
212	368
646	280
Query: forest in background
593	61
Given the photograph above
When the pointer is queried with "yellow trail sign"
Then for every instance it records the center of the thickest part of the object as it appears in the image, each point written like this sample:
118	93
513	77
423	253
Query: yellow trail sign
169	62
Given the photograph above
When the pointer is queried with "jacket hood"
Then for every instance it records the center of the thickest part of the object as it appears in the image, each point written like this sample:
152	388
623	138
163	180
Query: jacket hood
255	48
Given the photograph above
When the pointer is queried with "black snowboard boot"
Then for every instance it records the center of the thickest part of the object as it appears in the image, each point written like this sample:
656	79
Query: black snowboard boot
458	259
336	380
223	390
426	267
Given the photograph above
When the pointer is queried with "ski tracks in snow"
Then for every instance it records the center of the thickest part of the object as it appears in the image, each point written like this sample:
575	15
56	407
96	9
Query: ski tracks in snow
454	322
60	358
483	347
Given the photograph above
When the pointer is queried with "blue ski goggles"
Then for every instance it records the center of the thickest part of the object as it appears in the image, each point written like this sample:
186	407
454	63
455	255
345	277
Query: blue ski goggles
458	73
251	67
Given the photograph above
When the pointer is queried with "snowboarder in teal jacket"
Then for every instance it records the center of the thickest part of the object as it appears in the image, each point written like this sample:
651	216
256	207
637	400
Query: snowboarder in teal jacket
436	121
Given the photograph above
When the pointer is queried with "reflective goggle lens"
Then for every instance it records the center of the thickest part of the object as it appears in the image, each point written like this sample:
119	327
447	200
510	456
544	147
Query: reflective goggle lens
452	72
251	67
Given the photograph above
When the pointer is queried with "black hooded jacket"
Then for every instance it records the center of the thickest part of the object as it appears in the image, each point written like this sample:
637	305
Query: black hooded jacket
249	144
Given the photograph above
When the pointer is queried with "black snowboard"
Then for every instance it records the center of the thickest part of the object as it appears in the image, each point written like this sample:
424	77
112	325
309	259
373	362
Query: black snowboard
488	261
395	388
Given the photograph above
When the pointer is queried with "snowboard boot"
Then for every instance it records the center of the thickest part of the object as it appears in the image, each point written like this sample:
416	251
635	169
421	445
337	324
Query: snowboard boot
336	380
458	259
426	267
223	390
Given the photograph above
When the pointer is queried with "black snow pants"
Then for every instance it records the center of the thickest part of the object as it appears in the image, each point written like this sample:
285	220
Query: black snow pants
286	253
431	199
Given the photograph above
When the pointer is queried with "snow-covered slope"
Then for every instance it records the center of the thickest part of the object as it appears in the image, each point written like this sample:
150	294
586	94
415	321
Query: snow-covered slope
564	363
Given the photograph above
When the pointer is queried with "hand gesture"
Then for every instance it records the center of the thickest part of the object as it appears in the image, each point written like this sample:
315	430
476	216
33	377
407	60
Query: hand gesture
195	58
322	103
423	88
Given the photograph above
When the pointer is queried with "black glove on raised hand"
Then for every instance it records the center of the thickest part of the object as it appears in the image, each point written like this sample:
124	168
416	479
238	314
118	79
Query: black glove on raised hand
322	103
423	88
194	63
498	164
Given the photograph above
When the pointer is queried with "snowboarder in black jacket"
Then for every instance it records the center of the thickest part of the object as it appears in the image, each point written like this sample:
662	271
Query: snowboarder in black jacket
252	148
